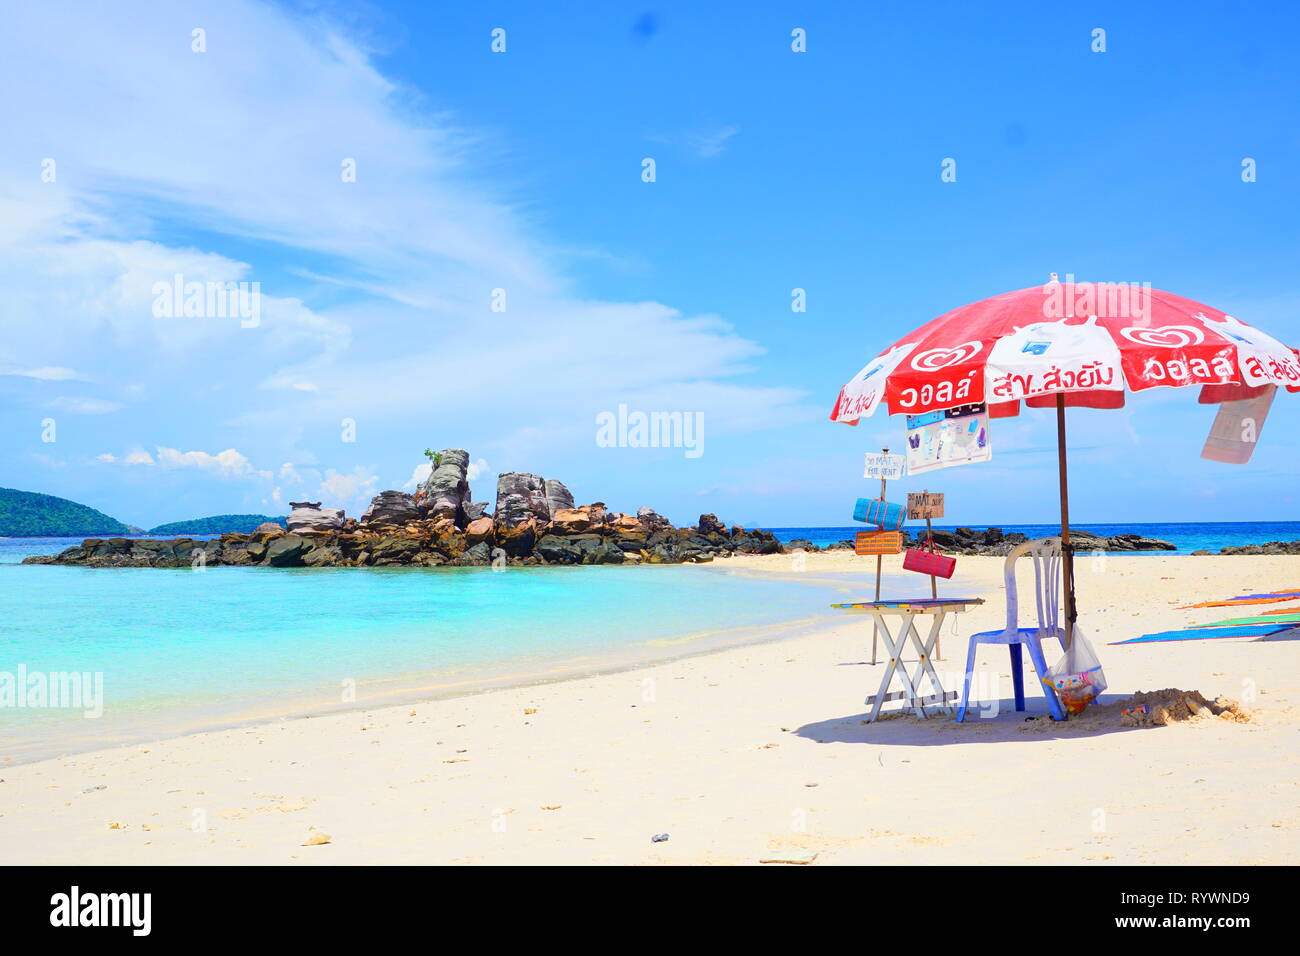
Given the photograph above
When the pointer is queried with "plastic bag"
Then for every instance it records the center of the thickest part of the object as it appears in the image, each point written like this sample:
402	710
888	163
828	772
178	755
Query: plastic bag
1077	677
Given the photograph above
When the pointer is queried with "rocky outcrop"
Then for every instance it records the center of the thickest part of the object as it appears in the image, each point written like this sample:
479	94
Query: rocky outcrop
475	510
521	497
446	491
993	541
310	516
1268	547
558	497
390	508
652	520
709	524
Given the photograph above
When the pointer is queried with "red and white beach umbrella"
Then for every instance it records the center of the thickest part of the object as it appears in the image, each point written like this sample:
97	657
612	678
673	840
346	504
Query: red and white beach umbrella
1068	344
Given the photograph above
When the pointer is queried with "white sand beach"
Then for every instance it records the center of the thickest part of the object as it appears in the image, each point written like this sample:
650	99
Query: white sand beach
744	755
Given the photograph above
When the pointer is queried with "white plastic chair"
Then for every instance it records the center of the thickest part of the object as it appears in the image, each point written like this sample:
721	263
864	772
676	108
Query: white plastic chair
1046	553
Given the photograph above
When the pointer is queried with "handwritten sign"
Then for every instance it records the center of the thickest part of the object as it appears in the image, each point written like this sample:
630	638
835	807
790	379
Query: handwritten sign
925	504
884	466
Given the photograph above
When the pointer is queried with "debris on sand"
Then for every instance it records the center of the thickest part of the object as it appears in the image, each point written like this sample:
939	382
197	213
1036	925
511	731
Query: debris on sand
1171	705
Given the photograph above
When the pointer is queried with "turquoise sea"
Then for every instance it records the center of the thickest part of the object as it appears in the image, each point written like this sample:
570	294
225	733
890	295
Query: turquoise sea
182	650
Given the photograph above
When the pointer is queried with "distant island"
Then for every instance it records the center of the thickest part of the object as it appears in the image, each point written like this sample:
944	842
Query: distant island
219	524
27	514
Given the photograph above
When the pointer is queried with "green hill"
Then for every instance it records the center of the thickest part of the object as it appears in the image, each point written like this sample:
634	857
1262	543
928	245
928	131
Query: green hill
217	524
26	514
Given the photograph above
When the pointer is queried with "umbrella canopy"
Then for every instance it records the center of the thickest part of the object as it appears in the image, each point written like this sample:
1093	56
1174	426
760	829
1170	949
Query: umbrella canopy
1068	344
1084	341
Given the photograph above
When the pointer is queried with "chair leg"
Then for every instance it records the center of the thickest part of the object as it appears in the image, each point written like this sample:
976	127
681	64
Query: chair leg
1017	675
1040	667
965	686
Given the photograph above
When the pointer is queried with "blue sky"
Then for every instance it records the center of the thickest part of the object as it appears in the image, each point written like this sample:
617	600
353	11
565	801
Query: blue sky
522	170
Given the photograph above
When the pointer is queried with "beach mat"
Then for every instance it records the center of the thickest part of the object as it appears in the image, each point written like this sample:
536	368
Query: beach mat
1293	617
1203	634
1238	602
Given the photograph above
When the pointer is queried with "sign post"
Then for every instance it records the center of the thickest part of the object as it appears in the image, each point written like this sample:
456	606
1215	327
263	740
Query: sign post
927	505
883	466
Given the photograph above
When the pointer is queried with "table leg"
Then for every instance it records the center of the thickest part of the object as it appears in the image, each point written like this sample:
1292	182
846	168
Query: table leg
926	665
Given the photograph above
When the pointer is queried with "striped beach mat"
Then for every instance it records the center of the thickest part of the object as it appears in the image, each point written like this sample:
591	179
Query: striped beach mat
878	542
1204	634
1292	617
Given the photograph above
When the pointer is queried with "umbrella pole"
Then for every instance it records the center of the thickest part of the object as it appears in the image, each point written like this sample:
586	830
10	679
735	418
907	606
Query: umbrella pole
1067	552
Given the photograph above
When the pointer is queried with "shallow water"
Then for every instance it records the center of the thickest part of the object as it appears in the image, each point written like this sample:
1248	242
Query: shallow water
184	649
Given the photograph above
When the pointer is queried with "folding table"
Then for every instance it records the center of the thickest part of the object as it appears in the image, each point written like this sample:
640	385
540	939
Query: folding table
907	611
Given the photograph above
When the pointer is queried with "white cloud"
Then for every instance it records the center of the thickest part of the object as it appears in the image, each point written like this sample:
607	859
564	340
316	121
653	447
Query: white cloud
85	406
421	472
475	469
138	456
229	463
107	457
49	373
348	490
710	143
418	242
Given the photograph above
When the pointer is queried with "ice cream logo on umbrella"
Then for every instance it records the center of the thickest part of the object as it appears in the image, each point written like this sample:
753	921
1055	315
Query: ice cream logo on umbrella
1167	337
931	360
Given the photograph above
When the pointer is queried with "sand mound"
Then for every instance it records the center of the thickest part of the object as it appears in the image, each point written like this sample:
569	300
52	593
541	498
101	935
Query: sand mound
1172	705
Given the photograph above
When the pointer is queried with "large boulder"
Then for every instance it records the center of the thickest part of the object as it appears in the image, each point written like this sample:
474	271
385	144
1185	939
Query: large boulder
652	520
521	497
310	516
557	496
474	510
394	550
391	507
480	529
444	493
709	524
287	551
268	527
588	518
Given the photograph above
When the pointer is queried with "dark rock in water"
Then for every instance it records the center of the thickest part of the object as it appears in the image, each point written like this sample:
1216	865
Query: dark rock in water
800	544
557	496
1268	547
478	556
444	493
287	550
393	550
840	546
568	549
327	557
1201	551
310	516
709	524
392	508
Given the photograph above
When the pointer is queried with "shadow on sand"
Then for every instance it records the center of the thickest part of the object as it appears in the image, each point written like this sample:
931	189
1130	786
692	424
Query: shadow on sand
895	728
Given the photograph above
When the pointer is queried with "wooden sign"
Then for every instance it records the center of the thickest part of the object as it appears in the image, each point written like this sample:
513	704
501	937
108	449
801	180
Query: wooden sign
878	542
925	504
884	466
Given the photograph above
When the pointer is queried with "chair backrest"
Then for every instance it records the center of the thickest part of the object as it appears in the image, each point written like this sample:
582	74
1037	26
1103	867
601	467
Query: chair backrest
1046	553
